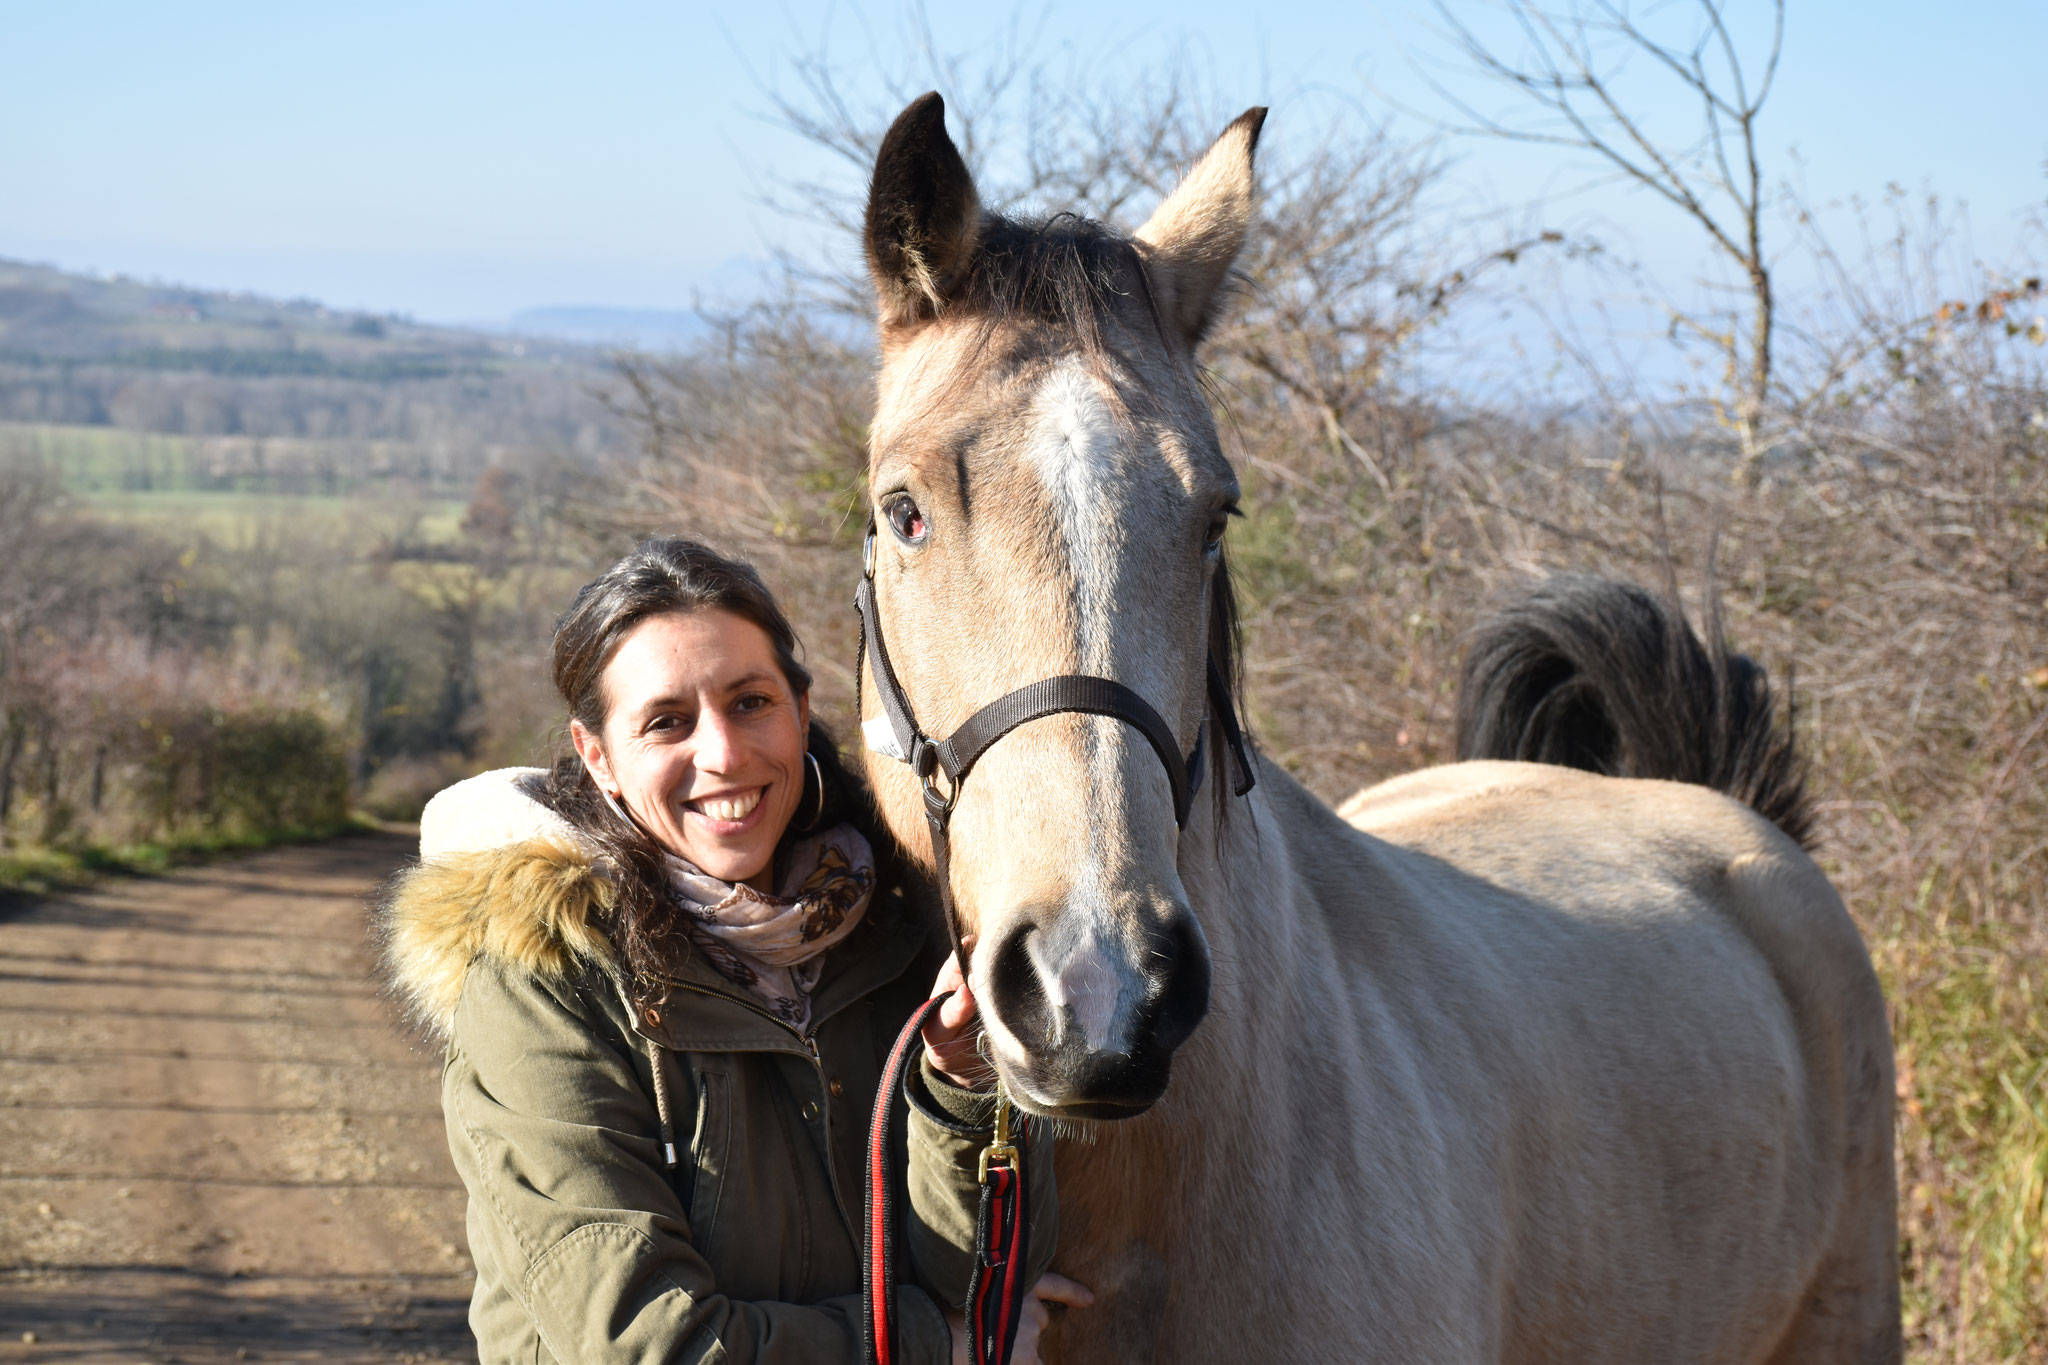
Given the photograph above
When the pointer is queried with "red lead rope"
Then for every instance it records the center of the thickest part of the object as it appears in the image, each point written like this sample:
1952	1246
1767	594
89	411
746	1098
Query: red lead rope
995	1297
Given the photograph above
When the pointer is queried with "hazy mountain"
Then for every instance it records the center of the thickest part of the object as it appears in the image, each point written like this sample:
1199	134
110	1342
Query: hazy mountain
636	329
336	395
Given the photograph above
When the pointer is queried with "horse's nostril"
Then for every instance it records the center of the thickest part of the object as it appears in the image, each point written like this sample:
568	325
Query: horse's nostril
1015	990
1183	958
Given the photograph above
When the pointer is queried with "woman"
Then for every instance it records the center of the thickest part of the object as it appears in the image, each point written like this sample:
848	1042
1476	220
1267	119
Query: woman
667	972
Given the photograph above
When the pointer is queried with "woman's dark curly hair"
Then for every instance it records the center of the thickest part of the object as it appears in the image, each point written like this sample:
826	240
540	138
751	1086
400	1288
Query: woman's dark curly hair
658	578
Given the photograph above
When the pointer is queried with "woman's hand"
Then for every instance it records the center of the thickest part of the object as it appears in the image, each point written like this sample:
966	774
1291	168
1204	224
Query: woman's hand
1049	1289
950	1045
952	1036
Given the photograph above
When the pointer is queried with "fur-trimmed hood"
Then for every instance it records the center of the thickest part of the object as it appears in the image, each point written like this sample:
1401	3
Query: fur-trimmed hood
500	875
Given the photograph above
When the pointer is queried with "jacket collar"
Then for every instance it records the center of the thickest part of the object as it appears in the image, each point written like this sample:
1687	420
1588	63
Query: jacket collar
502	877
704	1012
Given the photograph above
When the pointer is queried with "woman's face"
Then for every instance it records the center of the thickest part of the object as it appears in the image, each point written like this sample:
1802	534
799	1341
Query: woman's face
704	740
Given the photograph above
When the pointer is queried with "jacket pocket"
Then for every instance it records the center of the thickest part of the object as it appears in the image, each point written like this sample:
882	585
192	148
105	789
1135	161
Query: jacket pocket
710	1149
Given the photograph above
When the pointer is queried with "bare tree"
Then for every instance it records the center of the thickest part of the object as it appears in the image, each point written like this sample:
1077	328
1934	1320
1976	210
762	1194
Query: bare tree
1570	69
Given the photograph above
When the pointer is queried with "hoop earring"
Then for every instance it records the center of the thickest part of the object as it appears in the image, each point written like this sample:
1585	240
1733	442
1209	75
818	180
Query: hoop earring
617	809
818	809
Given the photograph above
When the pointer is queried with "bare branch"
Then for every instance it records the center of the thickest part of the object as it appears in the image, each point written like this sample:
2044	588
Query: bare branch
1717	182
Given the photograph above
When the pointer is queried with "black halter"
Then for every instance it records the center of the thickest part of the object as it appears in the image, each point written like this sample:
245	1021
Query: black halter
956	755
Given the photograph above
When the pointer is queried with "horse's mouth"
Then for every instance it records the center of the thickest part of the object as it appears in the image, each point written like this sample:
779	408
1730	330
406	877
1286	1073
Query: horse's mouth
1032	1095
1078	1033
1093	1110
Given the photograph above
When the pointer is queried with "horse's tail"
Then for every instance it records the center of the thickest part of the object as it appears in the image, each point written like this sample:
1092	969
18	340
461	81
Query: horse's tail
1592	673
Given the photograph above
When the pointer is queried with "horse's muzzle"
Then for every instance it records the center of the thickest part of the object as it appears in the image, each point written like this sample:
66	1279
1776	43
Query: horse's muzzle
1098	1022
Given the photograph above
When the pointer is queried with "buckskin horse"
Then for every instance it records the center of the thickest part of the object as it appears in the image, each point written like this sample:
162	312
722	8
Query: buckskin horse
1502	1061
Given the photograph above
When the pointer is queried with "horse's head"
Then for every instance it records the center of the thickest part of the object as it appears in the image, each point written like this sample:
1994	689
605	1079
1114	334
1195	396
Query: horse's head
1050	499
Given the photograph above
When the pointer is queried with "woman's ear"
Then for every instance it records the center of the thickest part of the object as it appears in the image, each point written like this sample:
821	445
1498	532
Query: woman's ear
591	750
803	715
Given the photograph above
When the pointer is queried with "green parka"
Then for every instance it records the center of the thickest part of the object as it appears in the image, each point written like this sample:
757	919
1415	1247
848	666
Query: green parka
588	1246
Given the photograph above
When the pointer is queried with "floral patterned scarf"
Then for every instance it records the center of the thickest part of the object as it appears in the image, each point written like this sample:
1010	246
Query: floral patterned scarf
773	947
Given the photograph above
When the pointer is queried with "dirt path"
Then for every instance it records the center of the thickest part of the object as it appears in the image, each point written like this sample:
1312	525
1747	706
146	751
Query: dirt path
216	1143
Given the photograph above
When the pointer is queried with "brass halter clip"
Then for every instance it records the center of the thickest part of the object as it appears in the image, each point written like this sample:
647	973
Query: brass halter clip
999	1148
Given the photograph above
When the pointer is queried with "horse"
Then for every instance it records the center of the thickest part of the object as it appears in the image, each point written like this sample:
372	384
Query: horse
1573	1060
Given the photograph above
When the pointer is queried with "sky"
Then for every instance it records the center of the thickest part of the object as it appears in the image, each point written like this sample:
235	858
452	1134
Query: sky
464	162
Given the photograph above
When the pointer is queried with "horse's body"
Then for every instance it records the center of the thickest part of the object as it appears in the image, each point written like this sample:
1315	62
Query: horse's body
1539	1066
1520	1064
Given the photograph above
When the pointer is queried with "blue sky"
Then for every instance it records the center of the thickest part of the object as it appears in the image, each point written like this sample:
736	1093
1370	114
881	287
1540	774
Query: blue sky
465	161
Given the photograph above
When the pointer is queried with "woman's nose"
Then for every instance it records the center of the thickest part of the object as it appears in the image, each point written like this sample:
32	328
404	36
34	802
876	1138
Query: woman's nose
718	747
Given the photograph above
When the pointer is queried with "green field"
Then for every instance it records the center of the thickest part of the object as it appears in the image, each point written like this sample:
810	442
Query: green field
104	459
215	486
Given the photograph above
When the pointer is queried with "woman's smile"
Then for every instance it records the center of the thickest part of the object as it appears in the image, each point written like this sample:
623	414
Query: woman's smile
728	812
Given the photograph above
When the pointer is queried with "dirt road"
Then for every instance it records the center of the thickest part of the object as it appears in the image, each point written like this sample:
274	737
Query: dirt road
216	1143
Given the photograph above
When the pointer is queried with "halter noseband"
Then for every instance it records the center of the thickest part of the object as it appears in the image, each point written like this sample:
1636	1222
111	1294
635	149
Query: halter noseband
1067	693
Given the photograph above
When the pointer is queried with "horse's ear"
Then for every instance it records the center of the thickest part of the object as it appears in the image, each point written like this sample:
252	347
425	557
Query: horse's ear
1190	240
923	218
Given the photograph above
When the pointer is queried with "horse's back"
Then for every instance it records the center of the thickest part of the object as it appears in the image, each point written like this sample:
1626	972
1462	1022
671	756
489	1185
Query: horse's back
1679	1026
1597	848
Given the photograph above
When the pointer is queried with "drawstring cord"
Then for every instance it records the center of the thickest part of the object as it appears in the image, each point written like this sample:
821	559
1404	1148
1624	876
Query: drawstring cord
657	1060
657	1064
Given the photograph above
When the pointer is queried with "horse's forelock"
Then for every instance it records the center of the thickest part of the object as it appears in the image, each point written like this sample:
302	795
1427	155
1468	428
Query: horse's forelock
1065	270
1063	284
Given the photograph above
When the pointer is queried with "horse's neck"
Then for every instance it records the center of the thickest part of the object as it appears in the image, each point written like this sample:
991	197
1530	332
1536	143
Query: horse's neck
1254	892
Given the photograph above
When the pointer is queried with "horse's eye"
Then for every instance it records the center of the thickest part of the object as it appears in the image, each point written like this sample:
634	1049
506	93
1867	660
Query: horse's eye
904	519
1214	540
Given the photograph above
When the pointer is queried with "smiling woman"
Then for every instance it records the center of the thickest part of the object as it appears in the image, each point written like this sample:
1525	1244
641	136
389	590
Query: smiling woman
704	745
667	972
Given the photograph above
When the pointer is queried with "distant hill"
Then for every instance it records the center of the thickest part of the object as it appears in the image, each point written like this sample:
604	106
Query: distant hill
272	394
639	329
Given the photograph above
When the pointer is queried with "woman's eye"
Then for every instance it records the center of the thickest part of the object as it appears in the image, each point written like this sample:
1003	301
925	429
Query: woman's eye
905	519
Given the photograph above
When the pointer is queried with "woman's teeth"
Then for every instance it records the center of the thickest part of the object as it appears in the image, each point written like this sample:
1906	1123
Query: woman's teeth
729	807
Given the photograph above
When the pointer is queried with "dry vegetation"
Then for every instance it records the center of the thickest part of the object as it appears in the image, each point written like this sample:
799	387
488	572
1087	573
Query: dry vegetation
235	669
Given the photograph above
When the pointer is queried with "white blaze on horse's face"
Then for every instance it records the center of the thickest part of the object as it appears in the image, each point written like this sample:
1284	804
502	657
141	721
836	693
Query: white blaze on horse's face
1075	449
1090	989
1048	486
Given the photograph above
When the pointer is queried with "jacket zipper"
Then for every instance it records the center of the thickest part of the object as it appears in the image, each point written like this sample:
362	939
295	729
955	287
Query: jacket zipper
810	1043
